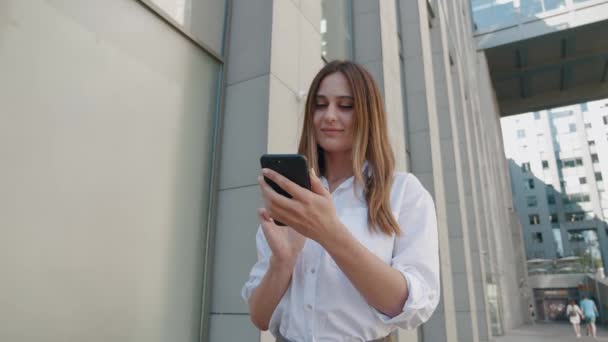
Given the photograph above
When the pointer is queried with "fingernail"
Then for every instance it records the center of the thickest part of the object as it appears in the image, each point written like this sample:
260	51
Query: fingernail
260	178
312	170
265	171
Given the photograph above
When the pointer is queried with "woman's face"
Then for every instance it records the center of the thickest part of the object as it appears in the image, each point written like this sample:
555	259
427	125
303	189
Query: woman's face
333	114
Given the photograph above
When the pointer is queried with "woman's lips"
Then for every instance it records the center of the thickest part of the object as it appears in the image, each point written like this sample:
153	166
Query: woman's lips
331	131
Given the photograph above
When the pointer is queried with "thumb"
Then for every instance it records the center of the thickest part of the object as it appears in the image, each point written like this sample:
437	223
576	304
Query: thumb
316	184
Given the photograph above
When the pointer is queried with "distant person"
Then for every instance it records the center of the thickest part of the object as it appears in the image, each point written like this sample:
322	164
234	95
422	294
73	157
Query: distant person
575	314
590	312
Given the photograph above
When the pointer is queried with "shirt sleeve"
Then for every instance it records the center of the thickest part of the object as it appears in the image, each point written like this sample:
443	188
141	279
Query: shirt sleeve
416	255
260	268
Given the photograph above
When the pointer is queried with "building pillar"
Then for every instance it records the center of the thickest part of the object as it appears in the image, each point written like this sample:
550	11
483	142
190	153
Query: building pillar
423	133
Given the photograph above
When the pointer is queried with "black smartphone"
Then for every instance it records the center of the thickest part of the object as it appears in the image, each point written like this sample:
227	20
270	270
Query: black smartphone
292	166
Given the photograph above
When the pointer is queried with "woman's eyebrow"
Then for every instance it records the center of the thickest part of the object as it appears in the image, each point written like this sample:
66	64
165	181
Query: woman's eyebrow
341	97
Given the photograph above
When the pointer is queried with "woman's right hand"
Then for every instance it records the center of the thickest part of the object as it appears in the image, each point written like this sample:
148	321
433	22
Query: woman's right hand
284	242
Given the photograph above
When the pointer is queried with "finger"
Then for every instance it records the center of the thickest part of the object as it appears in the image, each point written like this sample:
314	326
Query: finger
316	184
272	199
270	230
292	188
263	213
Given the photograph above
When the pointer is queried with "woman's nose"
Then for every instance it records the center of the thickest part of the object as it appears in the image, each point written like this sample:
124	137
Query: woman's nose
331	112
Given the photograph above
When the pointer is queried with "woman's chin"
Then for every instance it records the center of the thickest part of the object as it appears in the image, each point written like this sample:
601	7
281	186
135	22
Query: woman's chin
336	148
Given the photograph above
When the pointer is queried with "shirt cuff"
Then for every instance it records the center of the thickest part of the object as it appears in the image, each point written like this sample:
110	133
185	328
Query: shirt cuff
415	307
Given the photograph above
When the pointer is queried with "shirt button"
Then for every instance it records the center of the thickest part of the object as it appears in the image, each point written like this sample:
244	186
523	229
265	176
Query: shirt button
312	271
309	307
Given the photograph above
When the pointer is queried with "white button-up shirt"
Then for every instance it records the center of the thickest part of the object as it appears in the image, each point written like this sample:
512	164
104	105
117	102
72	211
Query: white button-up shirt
321	304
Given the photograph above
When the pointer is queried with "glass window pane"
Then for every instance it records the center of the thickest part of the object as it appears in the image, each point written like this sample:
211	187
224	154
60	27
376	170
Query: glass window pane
336	29
531	8
554	4
493	13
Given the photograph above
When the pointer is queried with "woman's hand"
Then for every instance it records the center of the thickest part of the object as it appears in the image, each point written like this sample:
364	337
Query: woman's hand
310	213
284	242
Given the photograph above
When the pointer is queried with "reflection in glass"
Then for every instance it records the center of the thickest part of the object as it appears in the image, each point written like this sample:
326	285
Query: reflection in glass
584	243
559	244
497	14
492	13
336	29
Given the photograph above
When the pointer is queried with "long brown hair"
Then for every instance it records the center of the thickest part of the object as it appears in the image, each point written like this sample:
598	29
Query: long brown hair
371	142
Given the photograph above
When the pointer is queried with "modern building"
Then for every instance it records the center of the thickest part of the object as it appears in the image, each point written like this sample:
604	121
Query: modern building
130	133
557	160
558	163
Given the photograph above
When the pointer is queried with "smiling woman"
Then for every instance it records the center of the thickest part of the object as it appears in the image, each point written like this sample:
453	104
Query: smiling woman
359	257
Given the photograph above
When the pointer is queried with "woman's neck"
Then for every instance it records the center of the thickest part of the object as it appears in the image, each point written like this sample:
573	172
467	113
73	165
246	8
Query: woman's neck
338	168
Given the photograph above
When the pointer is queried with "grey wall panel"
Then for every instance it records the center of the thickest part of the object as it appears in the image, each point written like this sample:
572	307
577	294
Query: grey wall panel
105	137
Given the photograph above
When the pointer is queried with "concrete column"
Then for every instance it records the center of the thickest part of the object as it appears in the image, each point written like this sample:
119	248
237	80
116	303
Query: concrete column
509	243
274	52
464	291
425	146
472	196
459	53
376	47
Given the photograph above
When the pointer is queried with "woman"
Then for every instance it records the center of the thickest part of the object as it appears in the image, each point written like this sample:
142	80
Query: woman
359	257
574	313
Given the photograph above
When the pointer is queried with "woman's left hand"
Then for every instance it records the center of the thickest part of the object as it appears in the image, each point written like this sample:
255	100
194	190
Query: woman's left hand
310	213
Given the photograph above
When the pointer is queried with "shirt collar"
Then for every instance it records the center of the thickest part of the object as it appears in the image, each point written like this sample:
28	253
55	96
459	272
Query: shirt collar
365	170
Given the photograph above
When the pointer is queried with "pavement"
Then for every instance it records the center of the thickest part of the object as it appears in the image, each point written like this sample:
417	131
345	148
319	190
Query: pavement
550	332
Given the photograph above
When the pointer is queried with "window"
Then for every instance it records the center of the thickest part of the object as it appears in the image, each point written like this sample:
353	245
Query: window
536	116
336	29
570	162
575	236
575	198
572	127
584	107
530	183
525	167
598	176
537	237
562	184
532	202
575	216
551	199
588	125
553	218
545	164
557	238
534	219
605	118
591	142
563	114
582	180
521	134
595	158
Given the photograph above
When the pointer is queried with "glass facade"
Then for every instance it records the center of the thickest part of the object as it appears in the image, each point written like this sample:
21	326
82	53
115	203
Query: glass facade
495	14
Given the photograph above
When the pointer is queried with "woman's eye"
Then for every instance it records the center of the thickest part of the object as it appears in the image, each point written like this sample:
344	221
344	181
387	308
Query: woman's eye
346	106
321	105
